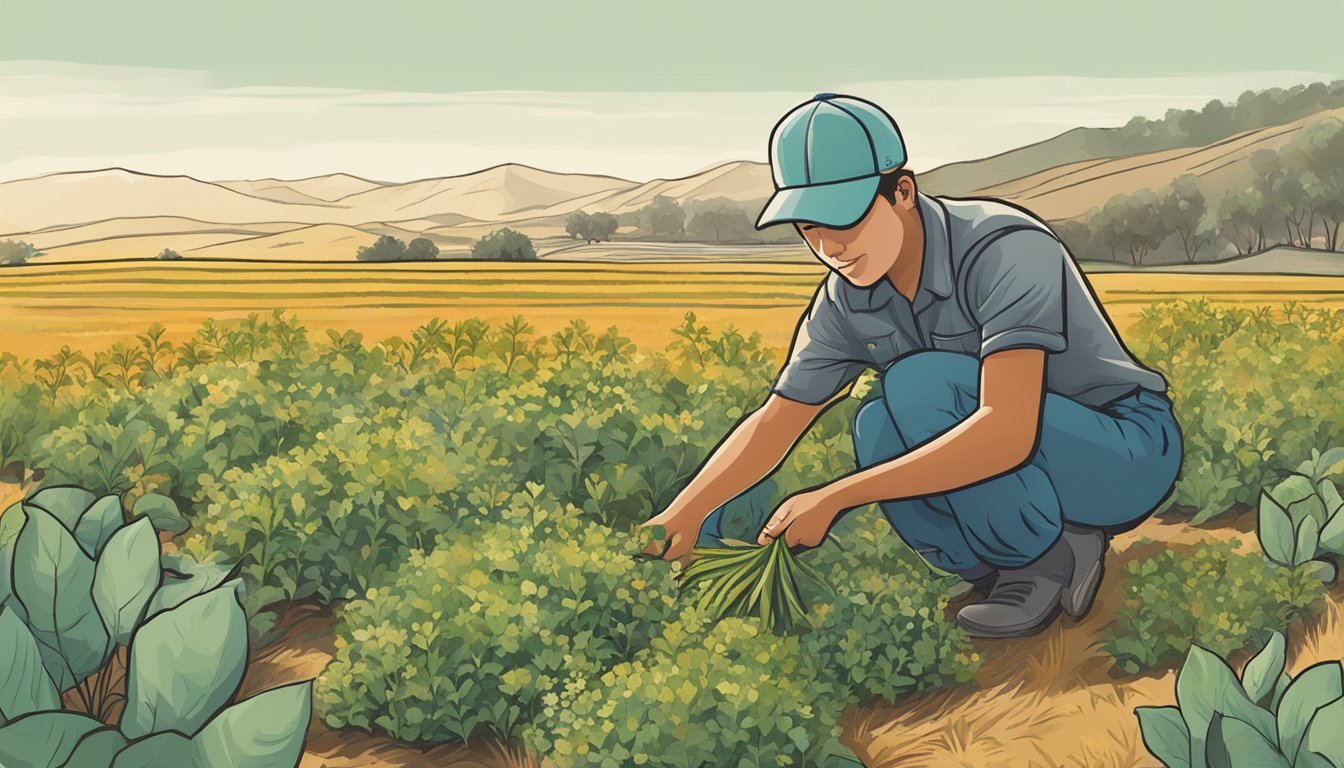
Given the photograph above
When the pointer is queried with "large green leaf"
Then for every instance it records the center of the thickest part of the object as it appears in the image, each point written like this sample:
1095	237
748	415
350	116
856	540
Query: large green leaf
98	523
1165	735
185	663
25	685
1308	536
1279	688
96	749
264	731
125	578
1317	686
1233	743
11	522
1263	670
1323	745
44	739
1205	685
53	579
162	750
1275	530
196	578
66	503
162	512
1332	533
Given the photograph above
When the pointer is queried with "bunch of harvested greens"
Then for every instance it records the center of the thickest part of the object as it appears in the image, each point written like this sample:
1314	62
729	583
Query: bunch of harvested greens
744	579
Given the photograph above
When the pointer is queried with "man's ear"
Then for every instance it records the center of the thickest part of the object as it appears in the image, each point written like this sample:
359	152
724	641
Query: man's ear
906	187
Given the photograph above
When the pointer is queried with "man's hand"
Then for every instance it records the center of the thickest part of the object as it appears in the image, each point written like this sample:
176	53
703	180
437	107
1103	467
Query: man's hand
803	518
679	534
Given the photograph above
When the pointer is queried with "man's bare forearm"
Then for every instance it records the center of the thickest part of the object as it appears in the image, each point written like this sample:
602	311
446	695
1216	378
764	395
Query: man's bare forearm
976	448
754	449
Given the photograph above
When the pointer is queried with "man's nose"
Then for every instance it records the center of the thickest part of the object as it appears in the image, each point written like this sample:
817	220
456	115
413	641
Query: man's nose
832	248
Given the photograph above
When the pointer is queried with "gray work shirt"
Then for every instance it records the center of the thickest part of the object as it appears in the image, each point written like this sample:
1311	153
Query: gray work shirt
993	277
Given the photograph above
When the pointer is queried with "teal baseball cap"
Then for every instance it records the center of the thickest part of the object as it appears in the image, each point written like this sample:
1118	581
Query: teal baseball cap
827	156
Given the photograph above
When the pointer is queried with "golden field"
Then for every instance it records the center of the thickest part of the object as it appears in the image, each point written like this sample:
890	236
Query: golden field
89	306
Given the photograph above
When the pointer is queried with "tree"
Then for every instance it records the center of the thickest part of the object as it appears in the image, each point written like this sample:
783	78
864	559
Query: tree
577	225
15	253
1133	224
1241	219
591	227
721	223
421	249
386	248
504	245
168	254
1080	237
664	216
604	225
1183	208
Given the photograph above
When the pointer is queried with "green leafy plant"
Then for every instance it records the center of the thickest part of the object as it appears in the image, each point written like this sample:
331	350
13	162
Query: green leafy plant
83	590
1302	518
747	580
1210	595
1262	720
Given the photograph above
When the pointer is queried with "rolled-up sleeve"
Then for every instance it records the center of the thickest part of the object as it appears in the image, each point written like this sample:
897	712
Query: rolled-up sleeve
1016	291
824	357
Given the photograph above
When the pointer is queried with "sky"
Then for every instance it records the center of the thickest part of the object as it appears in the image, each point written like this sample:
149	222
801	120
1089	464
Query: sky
398	90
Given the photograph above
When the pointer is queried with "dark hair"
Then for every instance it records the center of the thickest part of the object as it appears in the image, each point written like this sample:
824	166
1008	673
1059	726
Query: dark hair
886	187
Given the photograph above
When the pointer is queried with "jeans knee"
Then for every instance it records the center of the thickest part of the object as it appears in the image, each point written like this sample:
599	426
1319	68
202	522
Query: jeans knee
875	438
920	386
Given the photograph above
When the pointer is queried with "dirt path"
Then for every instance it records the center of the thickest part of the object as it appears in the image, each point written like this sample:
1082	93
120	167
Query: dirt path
1055	700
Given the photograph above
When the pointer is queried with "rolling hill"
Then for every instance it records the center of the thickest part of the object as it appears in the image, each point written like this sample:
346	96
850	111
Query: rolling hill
118	213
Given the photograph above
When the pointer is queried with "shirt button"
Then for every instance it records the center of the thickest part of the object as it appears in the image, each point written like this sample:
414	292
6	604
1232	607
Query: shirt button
872	345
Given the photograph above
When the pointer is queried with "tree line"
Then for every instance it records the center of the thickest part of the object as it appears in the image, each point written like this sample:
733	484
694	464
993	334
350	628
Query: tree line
1295	197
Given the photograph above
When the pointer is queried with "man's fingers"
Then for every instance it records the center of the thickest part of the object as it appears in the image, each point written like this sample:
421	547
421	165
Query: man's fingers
778	522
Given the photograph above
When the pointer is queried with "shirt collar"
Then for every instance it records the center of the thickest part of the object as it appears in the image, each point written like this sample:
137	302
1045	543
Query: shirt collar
935	277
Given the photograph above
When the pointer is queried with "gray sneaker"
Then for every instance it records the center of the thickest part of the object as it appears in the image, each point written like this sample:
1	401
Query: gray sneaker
1024	600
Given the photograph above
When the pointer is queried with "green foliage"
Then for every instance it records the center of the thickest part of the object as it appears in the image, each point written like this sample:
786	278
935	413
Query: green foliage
86	584
702	693
750	580
1262	719
476	634
389	248
884	632
1253	390
168	254
16	252
1302	518
591	228
1209	596
504	245
664	217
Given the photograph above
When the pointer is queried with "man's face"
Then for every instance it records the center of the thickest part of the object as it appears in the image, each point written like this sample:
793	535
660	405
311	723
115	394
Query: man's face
865	252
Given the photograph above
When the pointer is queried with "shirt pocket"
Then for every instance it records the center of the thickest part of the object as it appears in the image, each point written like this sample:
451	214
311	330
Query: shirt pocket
881	348
966	342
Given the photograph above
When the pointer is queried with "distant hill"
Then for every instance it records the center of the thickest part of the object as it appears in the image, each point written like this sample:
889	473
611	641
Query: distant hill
117	213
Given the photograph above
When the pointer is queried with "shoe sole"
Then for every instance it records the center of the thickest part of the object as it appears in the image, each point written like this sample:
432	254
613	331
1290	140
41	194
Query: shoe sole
997	633
1077	599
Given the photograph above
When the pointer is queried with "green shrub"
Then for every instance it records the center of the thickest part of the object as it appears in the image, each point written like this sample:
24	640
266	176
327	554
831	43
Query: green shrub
1302	518
1242	418
884	632
1262	719
79	585
477	633
1209	596
727	693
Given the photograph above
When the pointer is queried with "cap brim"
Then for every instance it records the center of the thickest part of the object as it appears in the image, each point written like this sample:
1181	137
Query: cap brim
830	205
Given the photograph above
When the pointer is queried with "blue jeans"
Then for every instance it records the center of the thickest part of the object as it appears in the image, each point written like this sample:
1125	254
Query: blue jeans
1109	466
